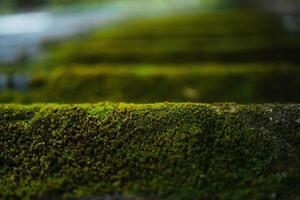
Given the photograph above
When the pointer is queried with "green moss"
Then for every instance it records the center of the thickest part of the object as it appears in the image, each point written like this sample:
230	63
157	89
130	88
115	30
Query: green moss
101	111
142	83
159	151
235	36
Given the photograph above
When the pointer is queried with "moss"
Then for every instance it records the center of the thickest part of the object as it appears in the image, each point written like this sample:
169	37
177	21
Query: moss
142	83
218	36
155	151
101	111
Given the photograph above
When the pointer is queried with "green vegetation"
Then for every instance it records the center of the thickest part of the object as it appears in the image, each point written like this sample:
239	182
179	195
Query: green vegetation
180	151
224	36
15	5
158	151
154	60
141	83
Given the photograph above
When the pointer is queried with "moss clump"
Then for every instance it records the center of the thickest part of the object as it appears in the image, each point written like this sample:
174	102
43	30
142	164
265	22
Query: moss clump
159	151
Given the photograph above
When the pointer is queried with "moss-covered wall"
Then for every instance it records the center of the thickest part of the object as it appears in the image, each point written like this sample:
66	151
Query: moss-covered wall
159	151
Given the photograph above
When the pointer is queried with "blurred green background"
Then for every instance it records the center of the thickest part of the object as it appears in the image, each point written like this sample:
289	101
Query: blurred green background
141	52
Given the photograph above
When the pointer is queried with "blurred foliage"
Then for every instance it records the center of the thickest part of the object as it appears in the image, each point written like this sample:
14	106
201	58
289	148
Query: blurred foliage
235	36
159	59
253	83
15	5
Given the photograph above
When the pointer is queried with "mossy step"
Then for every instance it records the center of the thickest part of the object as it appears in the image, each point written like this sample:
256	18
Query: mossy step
155	151
251	83
243	36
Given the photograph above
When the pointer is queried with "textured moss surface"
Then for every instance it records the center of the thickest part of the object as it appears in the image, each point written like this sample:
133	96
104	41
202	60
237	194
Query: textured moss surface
250	83
158	151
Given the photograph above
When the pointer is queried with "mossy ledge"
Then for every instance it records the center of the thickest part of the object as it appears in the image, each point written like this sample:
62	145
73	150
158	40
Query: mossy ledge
273	83
153	151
